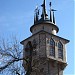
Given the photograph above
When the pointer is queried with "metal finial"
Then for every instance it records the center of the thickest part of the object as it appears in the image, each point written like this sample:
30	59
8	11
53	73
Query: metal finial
50	4
43	10
37	10
50	16
34	19
53	15
50	12
53	18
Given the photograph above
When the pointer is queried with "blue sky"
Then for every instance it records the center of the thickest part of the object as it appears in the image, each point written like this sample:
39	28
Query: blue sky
16	17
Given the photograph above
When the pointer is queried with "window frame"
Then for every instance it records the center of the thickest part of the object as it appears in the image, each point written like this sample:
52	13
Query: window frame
60	50
52	47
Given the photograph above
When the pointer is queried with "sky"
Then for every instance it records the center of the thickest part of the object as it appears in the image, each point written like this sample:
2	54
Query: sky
17	16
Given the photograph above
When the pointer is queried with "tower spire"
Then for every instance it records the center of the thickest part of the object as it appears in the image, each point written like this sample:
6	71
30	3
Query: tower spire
44	10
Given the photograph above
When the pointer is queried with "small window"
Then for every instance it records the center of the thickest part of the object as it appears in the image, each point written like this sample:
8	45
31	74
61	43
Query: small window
52	47
60	50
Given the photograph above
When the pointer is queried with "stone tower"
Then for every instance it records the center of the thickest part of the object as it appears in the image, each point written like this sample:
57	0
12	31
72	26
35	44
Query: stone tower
44	51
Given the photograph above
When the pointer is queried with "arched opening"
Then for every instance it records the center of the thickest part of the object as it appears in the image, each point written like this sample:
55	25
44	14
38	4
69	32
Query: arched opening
52	47
60	50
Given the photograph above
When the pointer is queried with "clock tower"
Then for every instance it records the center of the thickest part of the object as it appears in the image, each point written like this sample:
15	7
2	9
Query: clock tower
44	51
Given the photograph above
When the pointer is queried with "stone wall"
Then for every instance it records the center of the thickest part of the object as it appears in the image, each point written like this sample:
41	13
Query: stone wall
42	62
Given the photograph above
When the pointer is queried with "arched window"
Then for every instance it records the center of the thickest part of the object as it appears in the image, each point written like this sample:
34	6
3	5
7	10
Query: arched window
28	49
60	50
52	48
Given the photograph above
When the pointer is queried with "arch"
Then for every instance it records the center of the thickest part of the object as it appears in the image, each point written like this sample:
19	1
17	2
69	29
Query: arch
28	49
52	47
29	45
60	50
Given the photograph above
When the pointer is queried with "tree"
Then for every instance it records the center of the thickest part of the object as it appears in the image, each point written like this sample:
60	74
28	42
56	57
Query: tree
11	57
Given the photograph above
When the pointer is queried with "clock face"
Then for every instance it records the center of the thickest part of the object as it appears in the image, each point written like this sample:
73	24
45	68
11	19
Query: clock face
42	39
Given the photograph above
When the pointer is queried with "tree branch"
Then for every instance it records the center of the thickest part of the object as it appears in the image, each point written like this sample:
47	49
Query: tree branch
9	63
